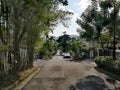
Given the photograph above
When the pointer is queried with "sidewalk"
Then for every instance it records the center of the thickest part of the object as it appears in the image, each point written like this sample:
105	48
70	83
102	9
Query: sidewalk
26	76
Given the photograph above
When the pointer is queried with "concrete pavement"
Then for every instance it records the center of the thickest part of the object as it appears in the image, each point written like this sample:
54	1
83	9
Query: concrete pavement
60	74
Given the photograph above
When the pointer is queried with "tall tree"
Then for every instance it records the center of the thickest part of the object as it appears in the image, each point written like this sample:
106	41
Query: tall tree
94	21
64	41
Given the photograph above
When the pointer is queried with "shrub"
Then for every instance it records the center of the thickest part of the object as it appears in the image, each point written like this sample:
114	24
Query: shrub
117	66
103	61
108	63
75	56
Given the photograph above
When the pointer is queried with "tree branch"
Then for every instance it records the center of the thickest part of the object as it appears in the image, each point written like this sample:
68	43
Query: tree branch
22	34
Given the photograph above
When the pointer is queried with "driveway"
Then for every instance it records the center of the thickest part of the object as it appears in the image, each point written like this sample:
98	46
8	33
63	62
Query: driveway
62	74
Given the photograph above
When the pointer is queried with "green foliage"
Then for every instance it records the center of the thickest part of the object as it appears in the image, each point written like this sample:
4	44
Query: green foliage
64	42
89	31
108	63
65	2
96	21
75	47
49	48
105	4
101	60
90	22
72	45
22	24
105	37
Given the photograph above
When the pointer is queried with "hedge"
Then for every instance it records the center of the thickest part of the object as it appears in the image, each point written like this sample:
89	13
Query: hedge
108	63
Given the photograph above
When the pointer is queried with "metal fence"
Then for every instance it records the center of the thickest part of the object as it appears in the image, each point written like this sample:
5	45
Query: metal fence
101	52
5	65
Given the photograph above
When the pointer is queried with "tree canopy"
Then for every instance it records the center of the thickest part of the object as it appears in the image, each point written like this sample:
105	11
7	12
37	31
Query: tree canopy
99	17
22	25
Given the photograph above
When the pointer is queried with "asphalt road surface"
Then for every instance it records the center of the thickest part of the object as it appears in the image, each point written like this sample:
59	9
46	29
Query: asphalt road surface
62	74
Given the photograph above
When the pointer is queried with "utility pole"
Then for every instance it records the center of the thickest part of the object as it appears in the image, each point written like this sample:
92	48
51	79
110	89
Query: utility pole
114	39
114	43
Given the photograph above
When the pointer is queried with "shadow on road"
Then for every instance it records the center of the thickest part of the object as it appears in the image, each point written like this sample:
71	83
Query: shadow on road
75	60
115	76
111	80
80	60
89	83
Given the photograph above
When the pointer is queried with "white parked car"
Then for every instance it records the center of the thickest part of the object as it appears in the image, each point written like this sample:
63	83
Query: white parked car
62	54
66	55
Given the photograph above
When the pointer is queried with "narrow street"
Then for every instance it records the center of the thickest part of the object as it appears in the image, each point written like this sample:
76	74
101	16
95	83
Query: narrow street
60	74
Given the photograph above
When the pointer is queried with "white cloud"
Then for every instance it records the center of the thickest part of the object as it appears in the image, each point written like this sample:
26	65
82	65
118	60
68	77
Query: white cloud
74	17
83	4
70	10
61	7
77	7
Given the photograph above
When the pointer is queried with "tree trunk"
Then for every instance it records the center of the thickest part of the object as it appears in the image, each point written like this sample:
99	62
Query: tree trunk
30	56
16	53
102	45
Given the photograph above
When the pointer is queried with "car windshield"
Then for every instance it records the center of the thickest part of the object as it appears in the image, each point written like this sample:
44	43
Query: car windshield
67	53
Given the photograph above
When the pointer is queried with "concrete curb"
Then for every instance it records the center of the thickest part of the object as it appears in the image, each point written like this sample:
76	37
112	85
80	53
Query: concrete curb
25	78
113	75
21	85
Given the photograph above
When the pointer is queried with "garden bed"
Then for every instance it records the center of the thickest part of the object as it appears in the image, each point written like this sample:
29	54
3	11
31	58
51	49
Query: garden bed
109	64
22	76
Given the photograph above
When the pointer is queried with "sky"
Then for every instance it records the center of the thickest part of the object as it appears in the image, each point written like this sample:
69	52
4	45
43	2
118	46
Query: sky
77	7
